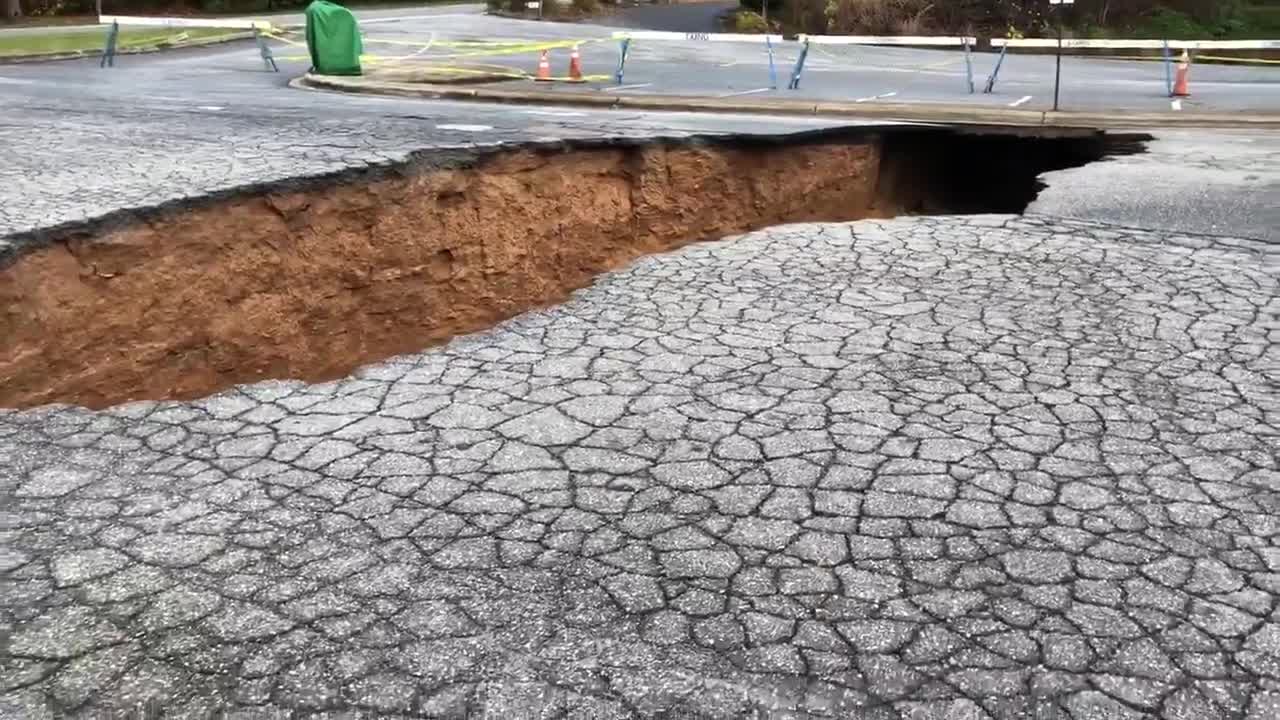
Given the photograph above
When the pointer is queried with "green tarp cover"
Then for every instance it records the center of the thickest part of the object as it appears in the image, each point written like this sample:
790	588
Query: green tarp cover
333	39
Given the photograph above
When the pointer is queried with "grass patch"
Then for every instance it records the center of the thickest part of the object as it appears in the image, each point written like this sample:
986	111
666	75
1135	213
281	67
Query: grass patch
68	41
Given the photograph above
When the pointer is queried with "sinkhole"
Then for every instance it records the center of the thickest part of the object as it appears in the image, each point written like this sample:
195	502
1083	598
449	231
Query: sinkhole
311	278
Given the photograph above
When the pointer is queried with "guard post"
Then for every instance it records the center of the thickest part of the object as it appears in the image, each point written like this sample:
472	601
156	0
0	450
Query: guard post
268	60
773	72
968	64
1057	72
799	68
623	48
109	51
995	73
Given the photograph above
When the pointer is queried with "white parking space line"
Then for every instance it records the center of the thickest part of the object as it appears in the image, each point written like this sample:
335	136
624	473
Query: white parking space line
881	96
401	18
465	128
1020	101
745	92
624	88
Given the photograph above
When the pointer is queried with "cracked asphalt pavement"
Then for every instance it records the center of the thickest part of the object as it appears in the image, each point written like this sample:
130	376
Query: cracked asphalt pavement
960	467
949	467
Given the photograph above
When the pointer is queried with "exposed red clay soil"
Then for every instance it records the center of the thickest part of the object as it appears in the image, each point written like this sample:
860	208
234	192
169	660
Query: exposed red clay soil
312	283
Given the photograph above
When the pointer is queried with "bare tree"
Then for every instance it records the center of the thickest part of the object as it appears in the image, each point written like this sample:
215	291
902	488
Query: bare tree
12	9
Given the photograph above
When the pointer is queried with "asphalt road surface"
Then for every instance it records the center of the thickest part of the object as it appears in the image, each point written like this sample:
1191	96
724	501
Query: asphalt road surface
688	17
862	73
945	467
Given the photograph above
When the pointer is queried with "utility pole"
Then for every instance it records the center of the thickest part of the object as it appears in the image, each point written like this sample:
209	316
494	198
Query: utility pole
1057	74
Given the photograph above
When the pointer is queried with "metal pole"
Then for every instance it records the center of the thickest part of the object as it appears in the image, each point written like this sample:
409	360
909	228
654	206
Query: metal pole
109	52
968	65
1057	77
1168	70
799	68
773	72
991	81
623	47
264	50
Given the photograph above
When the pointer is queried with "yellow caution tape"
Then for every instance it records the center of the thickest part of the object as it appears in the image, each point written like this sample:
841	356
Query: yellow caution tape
479	48
280	36
167	39
1216	58
511	73
496	49
1174	58
485	43
473	48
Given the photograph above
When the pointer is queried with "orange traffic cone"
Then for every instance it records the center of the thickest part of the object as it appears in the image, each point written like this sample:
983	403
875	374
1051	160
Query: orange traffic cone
544	68
1182	81
575	66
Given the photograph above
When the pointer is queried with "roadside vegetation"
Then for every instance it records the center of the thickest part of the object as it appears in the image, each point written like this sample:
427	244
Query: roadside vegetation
80	12
1173	19
554	9
57	41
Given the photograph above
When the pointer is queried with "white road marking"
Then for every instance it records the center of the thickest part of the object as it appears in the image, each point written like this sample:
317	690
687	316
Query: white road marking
401	18
624	88
215	108
1020	101
465	128
1176	104
876	97
16	81
555	113
745	92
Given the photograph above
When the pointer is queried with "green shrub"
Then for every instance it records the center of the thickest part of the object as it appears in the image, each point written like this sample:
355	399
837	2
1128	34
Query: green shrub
745	21
756	6
1172	25
587	7
878	17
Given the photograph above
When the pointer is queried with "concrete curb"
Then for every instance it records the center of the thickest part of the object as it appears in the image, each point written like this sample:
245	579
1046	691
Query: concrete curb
918	112
74	54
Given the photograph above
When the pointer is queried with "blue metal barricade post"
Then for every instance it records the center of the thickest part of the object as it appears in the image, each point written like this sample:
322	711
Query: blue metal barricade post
109	51
995	73
623	48
773	72
799	68
264	50
1168	70
968	64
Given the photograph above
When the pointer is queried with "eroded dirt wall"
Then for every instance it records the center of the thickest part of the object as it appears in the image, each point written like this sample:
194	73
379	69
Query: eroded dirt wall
313	283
